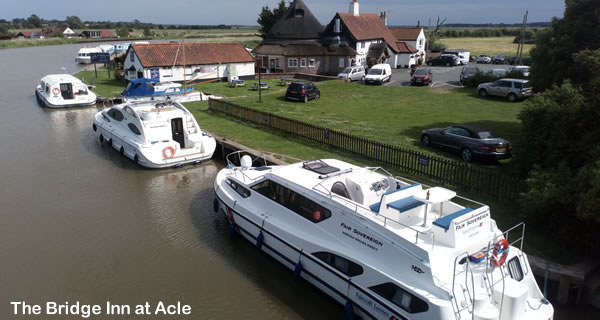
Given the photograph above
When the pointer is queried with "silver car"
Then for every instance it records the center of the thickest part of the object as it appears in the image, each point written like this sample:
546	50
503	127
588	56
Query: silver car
352	73
484	58
511	89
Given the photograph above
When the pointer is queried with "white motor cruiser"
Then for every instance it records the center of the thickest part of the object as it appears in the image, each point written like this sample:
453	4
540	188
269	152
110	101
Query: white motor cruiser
385	247
84	55
154	134
63	90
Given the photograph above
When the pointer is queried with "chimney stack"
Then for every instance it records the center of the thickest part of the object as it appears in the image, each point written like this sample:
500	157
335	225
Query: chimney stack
418	23
383	16
354	7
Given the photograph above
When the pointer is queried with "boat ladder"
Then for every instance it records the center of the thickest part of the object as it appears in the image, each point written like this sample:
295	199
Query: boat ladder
191	127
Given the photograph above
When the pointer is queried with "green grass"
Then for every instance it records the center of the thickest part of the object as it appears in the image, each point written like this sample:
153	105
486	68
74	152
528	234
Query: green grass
105	86
394	115
490	46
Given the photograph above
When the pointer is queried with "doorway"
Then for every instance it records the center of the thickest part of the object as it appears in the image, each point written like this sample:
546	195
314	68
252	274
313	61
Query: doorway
66	91
177	131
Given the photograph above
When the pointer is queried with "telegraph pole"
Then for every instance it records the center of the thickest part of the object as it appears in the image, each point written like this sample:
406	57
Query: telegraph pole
522	40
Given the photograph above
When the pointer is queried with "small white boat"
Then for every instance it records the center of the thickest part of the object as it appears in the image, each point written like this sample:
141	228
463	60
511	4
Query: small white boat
107	48
383	246
63	90
154	134
121	47
84	55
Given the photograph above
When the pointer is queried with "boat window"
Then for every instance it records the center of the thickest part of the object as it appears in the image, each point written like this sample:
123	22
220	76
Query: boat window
343	265
134	128
129	111
116	114
400	297
339	188
514	268
245	193
298	203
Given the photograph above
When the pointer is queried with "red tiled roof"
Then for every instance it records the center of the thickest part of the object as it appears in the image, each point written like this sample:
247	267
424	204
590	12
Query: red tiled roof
404	47
106	34
196	53
406	33
26	33
368	26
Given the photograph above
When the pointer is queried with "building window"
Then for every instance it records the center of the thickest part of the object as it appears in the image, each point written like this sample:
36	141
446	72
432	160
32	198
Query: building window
131	56
303	63
292	62
337	27
295	202
359	45
420	43
311	63
342	63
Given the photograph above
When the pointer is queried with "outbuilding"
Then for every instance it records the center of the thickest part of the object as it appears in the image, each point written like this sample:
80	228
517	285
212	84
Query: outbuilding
202	61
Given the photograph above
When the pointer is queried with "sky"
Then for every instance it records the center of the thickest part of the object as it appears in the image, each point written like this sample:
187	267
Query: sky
245	12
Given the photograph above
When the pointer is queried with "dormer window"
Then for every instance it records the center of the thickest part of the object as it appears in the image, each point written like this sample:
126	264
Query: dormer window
337	28
299	13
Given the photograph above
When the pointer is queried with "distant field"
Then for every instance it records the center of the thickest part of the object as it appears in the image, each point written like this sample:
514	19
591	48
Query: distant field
490	46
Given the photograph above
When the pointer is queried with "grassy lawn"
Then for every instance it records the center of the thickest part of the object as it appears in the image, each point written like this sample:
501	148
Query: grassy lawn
105	86
394	115
490	46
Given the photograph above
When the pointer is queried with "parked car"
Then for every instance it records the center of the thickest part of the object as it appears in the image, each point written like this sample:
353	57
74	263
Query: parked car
500	59
472	141
379	73
497	72
352	73
421	76
511	89
484	58
524	70
302	91
448	60
467	72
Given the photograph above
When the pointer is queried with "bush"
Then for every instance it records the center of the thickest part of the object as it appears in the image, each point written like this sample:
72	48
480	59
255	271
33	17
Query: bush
480	77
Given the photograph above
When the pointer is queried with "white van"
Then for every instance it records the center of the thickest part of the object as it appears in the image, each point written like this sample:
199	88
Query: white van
379	73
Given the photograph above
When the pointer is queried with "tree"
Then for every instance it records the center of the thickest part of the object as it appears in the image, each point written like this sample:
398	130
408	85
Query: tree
267	17
4	29
553	54
434	35
560	154
34	21
74	22
147	32
123	32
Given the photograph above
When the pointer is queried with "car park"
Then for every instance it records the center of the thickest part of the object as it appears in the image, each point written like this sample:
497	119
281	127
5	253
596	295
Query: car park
302	91
524	70
467	72
500	59
497	72
421	76
379	73
352	74
472	141
484	58
447	60
511	89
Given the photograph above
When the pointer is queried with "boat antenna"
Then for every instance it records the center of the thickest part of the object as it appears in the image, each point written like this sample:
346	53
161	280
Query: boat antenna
184	79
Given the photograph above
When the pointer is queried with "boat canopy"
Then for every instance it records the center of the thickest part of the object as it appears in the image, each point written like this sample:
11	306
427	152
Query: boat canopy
145	87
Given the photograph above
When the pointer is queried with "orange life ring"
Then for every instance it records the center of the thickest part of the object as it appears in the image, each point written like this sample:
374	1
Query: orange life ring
500	252
56	91
168	148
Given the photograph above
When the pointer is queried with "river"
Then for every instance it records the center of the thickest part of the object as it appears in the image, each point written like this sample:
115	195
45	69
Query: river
81	223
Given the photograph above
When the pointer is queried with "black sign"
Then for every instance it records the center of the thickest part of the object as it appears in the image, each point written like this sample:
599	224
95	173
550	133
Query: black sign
424	161
100	57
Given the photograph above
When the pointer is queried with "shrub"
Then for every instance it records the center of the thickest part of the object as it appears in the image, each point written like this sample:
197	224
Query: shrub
480	77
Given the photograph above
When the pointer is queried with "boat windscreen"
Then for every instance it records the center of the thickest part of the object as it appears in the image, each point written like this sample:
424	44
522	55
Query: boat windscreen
319	166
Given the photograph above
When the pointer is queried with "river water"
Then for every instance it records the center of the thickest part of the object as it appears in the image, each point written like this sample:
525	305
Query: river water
81	223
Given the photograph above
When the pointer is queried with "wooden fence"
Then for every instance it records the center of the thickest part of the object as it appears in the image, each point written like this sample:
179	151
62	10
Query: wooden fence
447	172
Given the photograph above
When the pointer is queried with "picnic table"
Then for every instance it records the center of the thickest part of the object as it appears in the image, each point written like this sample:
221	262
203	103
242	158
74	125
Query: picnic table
237	83
262	85
285	81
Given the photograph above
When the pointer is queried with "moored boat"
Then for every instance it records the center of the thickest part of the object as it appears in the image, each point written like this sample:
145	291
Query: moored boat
145	89
84	55
383	246
154	134
63	90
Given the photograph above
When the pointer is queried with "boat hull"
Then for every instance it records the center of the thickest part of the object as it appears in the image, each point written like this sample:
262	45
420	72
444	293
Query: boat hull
140	154
43	101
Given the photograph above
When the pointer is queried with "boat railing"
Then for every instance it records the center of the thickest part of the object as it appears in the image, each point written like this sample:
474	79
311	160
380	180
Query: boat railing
260	157
362	212
470	294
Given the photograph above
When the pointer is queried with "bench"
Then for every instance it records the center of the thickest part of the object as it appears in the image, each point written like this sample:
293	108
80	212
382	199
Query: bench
405	204
444	222
376	206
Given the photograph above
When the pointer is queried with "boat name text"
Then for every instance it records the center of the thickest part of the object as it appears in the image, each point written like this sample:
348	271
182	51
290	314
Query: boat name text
358	235
373	305
471	221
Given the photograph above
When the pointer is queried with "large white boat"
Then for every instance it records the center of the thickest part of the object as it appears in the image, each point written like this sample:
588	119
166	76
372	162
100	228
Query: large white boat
84	55
154	134
383	246
63	90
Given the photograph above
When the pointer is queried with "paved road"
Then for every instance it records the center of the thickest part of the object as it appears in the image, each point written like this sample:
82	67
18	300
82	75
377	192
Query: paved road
443	77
